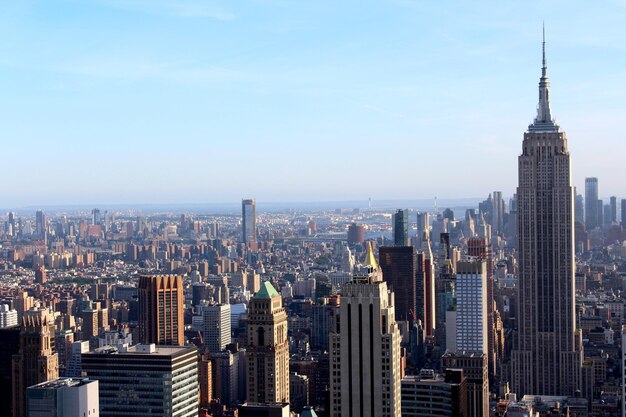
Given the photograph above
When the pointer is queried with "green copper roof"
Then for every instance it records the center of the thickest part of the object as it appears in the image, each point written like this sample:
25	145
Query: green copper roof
266	291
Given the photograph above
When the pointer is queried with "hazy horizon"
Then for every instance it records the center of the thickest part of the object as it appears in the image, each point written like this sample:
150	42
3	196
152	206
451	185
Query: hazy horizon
167	101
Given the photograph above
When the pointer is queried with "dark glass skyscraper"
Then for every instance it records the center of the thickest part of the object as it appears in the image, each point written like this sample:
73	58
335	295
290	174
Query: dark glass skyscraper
548	358
400	225
399	267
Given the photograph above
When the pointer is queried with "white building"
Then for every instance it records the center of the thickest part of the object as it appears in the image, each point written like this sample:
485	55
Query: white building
365	348
8	317
63	397
216	319
471	307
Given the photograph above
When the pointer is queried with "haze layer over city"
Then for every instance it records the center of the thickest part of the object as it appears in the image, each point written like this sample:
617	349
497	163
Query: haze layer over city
300	209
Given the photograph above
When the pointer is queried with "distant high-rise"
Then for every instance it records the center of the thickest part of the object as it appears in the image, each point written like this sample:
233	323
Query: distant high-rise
161	310
41	224
497	212
591	203
547	359
613	203
399	267
216	319
40	275
248	216
37	360
365	348
95	217
145	380
267	354
623	211
425	287
579	208
400	226
356	234
63	397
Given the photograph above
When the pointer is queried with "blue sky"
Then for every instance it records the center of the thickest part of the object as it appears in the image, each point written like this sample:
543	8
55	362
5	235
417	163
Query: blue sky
157	101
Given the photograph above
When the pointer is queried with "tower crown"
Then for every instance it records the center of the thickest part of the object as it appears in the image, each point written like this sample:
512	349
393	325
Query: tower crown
543	121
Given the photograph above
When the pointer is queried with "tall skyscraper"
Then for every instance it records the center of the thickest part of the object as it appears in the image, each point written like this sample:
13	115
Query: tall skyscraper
591	203
41	224
216	319
248	216
37	361
63	397
161	310
613	204
399	267
425	287
471	307
547	359
400	226
365	348
623	211
267	354
468	345
497	212
481	248
145	380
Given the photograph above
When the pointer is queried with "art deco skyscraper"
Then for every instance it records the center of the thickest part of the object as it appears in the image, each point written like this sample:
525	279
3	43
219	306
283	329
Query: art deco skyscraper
248	217
161	310
37	360
267	355
365	348
547	359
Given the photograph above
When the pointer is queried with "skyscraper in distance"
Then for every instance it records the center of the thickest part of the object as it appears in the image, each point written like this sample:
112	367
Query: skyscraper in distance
547	359
613	204
248	217
400	228
161	310
399	268
591	203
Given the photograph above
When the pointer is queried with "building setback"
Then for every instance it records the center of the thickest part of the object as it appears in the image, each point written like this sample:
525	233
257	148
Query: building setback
548	357
365	348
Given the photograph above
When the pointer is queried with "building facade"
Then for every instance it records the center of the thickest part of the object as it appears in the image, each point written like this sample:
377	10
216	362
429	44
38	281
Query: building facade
145	380
399	268
248	217
63	397
591	203
216	320
547	359
267	354
37	360
365	348
161	310
400	228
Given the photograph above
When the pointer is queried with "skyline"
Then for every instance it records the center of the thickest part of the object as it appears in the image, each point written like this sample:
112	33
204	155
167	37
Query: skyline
277	101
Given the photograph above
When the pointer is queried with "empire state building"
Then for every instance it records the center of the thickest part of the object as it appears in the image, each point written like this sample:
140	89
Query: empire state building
548	354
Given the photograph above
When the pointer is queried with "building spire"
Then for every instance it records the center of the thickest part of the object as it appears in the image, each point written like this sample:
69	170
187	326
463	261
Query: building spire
544	68
543	121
